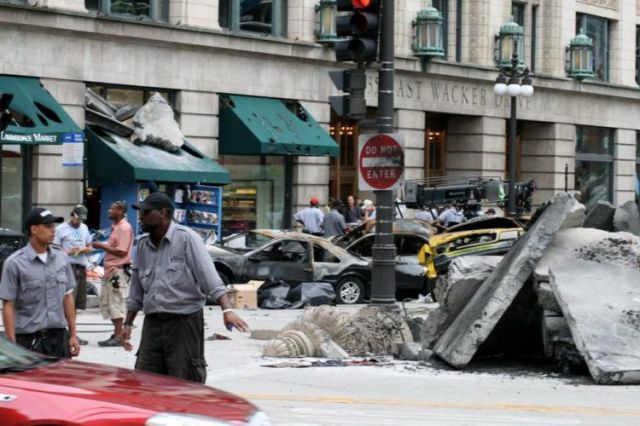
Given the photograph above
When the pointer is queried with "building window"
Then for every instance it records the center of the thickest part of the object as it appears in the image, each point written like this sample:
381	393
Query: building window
638	55
534	36
458	30
517	13
267	17
597	29
594	165
156	10
637	188
120	96
443	8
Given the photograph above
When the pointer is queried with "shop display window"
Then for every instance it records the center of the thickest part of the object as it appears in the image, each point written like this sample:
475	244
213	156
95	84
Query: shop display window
255	197
13	195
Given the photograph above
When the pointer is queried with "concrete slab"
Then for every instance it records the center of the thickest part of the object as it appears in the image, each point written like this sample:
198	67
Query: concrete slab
453	291
627	218
600	216
470	329
601	304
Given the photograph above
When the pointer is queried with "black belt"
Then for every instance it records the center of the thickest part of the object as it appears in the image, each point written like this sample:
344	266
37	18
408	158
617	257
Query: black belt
42	334
163	316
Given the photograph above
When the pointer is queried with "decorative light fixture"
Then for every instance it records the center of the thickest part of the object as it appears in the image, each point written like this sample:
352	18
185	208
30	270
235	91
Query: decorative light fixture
427	33
513	82
327	12
580	57
510	42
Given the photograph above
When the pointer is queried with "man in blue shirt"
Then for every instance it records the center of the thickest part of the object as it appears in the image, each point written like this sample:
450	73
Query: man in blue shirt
74	239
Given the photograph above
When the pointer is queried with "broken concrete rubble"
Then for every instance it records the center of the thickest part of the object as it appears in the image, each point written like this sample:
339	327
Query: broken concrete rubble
627	218
411	351
155	125
600	216
454	290
606	333
328	332
478	318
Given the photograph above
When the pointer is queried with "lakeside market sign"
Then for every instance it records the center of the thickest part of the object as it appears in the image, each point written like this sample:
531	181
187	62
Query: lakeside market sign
30	138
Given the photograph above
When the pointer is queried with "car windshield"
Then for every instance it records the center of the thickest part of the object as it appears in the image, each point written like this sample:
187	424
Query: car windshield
15	358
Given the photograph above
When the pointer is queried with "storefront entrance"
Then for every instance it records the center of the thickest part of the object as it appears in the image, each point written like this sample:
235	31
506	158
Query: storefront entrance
15	163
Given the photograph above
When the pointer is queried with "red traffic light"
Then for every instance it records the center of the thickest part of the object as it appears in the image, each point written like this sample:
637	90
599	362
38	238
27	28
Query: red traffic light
360	4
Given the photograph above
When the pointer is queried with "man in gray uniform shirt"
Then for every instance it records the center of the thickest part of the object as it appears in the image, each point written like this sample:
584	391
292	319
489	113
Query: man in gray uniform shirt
172	276
37	292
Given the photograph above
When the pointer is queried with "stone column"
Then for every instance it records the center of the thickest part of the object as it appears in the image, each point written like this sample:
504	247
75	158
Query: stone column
199	120
412	124
475	146
546	148
481	22
55	186
558	27
622	41
194	13
301	20
624	157
311	174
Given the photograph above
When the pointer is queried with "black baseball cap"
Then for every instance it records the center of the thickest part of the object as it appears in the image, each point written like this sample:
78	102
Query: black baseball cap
156	200
41	216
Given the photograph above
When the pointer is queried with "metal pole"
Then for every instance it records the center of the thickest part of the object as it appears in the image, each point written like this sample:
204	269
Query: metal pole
383	285
511	208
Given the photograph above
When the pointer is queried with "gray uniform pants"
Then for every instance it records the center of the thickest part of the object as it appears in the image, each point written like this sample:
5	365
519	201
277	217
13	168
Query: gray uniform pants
173	345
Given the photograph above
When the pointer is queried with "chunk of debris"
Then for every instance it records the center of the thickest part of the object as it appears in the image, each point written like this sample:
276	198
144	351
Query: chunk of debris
454	290
475	323
607	332
627	218
154	124
264	334
600	216
411	351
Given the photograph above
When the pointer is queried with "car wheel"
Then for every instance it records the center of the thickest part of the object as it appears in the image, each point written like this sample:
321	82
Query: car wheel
349	290
225	279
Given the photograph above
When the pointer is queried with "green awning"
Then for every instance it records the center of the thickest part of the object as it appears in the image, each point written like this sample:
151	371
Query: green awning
265	126
34	116
114	159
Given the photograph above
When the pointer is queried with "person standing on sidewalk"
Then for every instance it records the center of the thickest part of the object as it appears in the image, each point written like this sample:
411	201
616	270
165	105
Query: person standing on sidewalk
115	281
333	223
36	291
311	218
75	240
172	277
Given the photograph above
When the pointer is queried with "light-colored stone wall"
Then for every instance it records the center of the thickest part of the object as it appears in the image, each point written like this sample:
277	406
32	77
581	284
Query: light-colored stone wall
411	125
624	156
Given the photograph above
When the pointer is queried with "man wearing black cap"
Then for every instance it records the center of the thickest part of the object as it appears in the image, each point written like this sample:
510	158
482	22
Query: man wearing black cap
172	277
36	291
74	239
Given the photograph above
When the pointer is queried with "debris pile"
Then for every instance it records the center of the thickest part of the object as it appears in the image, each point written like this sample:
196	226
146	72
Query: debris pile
579	285
326	331
152	124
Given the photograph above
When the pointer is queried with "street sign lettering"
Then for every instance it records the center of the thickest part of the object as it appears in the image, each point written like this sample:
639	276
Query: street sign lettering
381	162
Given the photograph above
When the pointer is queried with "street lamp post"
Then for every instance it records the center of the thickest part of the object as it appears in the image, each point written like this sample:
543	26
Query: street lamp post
514	83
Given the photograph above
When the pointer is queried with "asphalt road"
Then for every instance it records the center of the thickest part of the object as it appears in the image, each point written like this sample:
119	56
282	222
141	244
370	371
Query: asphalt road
396	393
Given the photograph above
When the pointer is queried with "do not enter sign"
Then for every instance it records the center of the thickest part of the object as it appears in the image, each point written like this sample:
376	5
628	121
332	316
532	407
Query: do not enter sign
381	161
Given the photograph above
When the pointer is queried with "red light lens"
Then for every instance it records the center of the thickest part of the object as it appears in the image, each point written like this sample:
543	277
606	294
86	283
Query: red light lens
360	4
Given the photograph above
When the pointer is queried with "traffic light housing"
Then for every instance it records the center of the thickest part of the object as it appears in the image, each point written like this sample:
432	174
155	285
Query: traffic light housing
361	28
353	104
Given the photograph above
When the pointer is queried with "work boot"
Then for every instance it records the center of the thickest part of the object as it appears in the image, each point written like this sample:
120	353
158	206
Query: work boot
110	342
82	342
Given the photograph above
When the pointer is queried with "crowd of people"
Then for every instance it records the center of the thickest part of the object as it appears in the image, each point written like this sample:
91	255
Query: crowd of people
338	218
170	279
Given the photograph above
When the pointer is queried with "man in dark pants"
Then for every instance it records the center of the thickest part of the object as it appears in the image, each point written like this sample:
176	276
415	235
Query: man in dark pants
74	239
36	291
172	276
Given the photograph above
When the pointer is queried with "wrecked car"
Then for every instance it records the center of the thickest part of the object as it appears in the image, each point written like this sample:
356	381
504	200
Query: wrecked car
441	249
297	258
410	274
250	240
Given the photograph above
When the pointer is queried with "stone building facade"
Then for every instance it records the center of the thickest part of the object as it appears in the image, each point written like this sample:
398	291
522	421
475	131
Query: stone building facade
196	50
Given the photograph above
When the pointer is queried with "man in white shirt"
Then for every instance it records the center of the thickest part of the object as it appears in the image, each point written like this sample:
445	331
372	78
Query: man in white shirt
451	216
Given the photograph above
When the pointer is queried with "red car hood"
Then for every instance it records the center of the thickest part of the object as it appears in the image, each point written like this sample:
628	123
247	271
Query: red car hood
103	388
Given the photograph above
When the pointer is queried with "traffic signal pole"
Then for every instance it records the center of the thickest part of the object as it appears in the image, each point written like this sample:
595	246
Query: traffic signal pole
383	285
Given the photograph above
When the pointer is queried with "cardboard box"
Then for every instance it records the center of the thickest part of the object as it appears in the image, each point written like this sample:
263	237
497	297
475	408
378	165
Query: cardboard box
244	296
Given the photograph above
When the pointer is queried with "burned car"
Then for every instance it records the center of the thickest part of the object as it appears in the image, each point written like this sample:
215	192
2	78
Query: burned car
412	226
410	274
296	258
